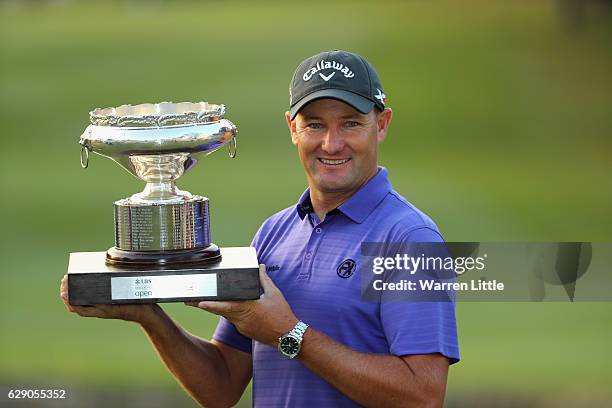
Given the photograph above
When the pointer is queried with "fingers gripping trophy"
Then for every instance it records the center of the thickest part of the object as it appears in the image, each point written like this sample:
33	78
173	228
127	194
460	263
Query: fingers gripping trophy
163	250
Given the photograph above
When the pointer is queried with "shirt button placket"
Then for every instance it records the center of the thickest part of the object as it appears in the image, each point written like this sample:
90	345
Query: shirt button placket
312	246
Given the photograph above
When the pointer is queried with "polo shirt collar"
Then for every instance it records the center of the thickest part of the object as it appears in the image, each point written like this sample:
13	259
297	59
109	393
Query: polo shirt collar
359	205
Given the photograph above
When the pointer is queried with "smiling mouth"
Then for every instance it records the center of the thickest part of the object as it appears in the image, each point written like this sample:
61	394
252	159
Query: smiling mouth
333	162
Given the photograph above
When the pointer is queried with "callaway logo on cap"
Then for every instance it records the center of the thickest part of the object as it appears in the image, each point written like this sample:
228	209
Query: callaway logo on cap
340	75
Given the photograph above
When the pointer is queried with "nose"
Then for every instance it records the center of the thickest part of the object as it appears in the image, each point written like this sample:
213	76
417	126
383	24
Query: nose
333	142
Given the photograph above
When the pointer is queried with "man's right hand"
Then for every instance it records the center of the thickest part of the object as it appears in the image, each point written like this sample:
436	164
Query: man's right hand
133	313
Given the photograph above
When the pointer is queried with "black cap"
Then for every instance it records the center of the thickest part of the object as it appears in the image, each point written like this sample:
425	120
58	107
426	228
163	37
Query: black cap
340	75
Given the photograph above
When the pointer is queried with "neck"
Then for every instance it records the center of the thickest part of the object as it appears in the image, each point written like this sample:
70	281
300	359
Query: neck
322	203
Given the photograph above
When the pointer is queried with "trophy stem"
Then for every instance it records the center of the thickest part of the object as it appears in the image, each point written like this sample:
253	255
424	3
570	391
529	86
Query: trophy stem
160	172
161	193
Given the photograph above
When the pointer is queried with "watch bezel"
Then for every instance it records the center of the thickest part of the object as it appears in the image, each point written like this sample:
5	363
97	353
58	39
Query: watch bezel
296	343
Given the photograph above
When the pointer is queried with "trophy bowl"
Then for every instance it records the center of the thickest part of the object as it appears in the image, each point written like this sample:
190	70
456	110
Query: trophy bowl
161	225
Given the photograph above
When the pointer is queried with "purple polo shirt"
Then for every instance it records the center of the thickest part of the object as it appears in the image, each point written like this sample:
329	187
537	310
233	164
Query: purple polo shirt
303	258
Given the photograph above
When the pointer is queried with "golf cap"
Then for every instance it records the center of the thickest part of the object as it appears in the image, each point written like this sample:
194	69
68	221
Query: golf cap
340	75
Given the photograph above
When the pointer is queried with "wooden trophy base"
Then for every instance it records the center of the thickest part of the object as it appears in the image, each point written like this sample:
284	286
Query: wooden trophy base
91	280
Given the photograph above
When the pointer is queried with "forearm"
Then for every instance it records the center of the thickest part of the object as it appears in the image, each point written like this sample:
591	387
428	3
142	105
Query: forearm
196	363
372	380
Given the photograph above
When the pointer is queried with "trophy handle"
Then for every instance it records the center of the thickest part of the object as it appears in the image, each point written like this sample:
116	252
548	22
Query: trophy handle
84	156
234	143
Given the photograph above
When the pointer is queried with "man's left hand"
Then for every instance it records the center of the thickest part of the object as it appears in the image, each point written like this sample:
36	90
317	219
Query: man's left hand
264	319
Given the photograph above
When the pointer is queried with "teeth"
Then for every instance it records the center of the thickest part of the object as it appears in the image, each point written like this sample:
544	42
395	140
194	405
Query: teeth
334	162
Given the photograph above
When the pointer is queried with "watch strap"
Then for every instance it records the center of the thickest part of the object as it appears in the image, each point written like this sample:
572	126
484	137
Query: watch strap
298	330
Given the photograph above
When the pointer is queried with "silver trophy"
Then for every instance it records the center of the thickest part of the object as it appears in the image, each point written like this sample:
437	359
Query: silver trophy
162	229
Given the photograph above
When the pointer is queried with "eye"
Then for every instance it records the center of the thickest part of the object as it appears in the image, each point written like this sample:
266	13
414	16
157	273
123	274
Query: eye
314	125
351	123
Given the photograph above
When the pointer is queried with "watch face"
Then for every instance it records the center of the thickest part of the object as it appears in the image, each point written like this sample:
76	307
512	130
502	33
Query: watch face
289	346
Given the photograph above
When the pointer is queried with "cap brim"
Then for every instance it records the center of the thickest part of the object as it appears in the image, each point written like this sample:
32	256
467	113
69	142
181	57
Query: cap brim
358	102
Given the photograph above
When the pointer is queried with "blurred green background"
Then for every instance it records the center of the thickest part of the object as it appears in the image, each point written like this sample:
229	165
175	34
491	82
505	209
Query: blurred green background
502	132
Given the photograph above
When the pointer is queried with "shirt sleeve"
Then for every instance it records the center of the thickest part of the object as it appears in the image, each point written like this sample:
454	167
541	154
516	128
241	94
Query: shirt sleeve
421	327
226	332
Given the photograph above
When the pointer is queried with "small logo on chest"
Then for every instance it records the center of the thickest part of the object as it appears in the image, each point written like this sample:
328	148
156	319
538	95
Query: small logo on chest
272	268
346	268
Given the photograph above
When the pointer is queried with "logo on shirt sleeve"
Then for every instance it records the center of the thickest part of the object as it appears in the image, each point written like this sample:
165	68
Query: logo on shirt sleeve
346	268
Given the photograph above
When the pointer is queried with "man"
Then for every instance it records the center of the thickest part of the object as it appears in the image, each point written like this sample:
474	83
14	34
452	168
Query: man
310	340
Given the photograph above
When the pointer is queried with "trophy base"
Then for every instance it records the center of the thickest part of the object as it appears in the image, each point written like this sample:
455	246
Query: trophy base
91	280
121	257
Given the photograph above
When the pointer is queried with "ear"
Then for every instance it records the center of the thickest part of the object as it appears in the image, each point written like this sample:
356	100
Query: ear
382	123
291	124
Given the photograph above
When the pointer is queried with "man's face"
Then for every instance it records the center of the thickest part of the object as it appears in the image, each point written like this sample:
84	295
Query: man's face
338	145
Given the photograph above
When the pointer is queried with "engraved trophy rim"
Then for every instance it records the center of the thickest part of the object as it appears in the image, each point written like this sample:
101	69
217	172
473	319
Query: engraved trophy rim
160	114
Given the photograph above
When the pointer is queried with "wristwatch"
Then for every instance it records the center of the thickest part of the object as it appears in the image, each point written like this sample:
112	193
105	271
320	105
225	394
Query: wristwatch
289	344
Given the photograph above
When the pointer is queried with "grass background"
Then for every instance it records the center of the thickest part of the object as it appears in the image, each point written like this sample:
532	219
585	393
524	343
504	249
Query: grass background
502	132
